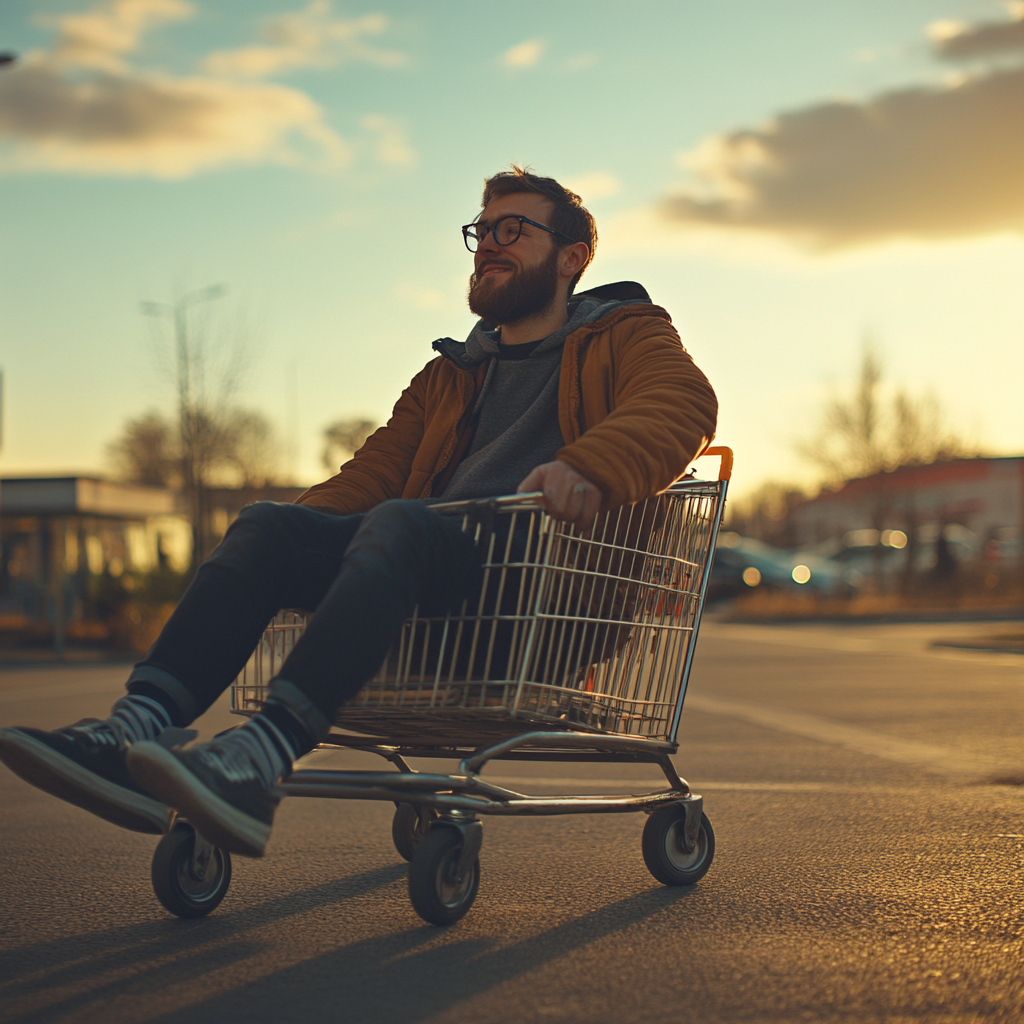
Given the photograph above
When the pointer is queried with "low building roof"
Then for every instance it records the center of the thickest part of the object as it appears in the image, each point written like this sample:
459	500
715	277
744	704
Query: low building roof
83	496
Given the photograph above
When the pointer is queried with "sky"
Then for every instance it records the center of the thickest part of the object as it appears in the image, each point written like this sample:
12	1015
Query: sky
786	177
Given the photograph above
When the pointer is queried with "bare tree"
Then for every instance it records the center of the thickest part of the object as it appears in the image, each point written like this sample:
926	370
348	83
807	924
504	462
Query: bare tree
205	371
343	439
252	449
870	432
147	452
875	430
765	513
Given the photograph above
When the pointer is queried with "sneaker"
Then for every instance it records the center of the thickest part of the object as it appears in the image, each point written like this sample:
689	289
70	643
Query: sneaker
216	787
84	764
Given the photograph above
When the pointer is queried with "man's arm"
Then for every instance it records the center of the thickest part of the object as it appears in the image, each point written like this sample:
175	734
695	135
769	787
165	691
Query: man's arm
664	414
380	469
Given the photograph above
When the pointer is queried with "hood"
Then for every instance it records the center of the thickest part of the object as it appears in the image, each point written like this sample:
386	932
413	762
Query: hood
584	308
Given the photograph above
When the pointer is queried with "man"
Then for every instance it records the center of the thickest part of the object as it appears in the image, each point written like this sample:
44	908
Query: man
589	398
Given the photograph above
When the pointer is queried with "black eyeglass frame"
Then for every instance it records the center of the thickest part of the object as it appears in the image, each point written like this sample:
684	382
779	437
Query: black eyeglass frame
514	216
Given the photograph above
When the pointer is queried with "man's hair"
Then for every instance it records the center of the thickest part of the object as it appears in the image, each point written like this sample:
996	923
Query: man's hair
569	216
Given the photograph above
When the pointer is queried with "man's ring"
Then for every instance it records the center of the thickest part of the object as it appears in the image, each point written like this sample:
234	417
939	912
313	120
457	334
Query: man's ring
580	489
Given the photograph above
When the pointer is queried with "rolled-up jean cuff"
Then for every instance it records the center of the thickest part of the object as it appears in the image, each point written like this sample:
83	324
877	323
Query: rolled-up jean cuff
300	706
186	704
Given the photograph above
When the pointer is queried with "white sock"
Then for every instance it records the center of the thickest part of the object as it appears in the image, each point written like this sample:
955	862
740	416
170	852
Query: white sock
142	718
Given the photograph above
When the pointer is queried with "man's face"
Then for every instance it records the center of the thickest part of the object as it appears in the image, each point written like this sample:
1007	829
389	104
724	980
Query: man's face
513	282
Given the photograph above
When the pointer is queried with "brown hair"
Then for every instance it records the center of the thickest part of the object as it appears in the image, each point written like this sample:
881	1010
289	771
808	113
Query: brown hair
569	216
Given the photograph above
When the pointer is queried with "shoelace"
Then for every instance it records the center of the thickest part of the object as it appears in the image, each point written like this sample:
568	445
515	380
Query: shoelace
104	734
240	758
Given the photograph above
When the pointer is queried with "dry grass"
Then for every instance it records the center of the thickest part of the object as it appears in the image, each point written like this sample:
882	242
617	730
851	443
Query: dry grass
956	599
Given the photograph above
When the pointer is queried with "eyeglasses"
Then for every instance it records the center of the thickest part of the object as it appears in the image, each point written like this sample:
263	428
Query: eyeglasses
506	230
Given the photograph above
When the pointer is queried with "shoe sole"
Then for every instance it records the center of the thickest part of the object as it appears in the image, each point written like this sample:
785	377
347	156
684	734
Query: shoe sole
52	772
156	769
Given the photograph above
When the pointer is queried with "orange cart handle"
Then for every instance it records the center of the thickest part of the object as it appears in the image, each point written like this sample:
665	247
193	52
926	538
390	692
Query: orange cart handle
725	466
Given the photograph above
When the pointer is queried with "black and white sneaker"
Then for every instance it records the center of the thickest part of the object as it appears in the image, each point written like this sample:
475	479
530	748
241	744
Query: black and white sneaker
216	786
84	764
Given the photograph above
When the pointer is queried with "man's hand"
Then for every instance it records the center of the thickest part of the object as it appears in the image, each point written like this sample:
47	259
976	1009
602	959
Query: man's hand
568	495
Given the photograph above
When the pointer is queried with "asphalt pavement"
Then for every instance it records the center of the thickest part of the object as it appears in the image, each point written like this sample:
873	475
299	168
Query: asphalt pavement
867	799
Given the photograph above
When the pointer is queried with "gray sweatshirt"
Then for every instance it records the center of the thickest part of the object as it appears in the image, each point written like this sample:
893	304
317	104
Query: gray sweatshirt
517	408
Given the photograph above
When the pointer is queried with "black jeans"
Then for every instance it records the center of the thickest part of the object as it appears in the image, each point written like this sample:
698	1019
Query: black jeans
361	574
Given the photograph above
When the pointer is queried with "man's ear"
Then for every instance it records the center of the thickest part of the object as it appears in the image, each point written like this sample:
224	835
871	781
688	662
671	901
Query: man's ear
574	258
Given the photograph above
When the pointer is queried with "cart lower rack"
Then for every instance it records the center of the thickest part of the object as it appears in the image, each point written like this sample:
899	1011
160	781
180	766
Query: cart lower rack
577	648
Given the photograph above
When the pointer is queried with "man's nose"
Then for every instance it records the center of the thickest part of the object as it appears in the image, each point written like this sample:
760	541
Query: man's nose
487	243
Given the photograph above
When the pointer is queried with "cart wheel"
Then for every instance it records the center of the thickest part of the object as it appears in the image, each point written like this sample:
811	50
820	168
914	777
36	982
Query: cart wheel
179	885
438	894
663	848
409	826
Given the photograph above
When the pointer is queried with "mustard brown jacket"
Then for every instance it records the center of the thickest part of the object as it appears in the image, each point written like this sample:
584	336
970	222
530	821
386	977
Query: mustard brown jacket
633	409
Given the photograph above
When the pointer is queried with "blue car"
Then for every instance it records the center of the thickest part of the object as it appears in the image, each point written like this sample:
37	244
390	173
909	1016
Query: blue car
743	564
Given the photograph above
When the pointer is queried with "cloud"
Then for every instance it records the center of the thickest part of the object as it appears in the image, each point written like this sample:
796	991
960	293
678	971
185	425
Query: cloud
918	163
80	107
956	40
596	185
390	144
308	38
524	55
156	126
99	37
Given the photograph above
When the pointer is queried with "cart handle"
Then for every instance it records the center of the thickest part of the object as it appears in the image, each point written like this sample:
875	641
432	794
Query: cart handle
725	466
534	499
528	501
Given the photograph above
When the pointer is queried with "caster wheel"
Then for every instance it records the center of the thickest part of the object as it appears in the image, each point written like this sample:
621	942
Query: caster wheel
663	848
187	885
439	895
409	826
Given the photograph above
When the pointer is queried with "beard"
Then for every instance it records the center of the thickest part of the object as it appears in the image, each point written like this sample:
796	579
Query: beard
524	294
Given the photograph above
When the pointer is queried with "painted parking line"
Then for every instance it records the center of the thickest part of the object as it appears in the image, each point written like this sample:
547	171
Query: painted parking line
836	640
940	760
811	639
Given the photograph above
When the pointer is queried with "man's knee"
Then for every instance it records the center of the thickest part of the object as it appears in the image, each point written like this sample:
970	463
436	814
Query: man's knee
412	532
267	520
260	531
262	515
402	516
429	544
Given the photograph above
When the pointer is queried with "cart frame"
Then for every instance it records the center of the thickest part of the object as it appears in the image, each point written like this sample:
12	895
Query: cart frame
436	824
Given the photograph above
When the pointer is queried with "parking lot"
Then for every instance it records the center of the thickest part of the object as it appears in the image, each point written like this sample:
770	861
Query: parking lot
868	868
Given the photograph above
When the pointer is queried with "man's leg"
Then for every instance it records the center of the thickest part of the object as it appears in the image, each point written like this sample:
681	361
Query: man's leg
273	556
402	555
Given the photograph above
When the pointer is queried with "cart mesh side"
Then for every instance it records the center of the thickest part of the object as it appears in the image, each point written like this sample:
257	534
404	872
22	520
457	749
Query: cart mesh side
570	631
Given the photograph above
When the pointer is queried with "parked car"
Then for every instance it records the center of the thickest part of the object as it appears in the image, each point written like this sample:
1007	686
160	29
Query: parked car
883	553
744	563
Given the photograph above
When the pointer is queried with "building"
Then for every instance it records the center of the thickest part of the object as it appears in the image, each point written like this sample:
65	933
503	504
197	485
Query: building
59	534
978	504
69	544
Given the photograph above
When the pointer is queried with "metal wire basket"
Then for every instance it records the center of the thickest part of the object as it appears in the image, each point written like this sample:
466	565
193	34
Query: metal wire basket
585	632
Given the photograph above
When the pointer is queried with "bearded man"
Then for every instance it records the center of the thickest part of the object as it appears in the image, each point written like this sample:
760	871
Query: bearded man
589	398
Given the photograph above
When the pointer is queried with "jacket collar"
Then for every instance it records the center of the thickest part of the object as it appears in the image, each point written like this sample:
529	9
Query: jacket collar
586	309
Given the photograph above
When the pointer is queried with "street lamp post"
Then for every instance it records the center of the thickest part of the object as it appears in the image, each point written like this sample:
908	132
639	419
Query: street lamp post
189	413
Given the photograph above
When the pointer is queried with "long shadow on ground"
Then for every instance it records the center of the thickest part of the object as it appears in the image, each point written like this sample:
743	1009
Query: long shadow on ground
383	979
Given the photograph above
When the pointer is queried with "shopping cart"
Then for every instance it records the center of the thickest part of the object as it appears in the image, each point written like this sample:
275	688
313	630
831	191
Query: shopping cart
578	648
